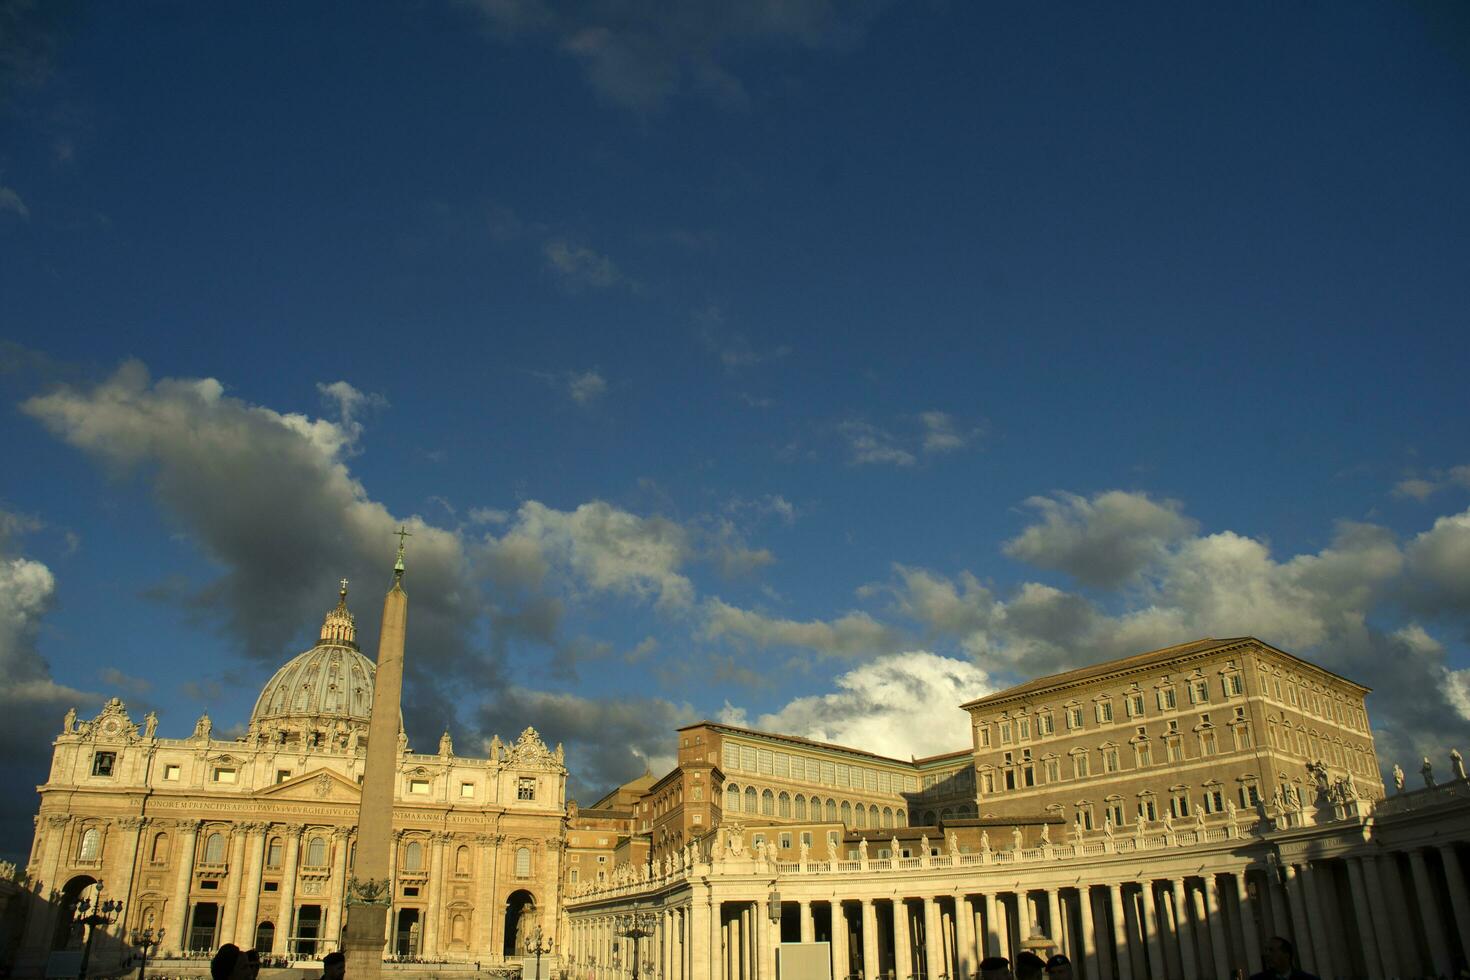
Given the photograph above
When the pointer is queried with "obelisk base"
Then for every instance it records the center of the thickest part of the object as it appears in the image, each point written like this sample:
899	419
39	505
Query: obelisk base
363	939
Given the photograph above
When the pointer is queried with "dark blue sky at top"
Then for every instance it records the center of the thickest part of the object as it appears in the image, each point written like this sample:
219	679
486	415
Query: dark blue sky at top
1212	253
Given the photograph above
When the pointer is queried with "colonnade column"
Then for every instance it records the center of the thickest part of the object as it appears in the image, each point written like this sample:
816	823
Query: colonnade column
933	939
1152	929
1367	940
250	897
1247	921
1459	900
1054	922
1213	911
1120	933
1184	931
1382	928
870	940
1088	950
179	914
992	926
964	936
903	955
286	927
841	961
1301	934
770	938
1439	951
808	927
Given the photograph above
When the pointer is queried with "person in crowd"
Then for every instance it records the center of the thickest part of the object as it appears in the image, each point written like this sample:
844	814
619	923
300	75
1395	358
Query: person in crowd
1029	966
252	962
1059	968
229	963
995	968
1280	957
334	966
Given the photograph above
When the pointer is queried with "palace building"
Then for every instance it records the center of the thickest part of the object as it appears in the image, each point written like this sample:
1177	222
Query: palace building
1155	816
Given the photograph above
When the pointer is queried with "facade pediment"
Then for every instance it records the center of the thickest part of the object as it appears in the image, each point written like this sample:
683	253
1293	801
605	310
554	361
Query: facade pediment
315	786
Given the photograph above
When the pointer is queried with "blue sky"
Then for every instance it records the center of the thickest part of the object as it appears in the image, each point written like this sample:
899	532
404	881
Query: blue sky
806	364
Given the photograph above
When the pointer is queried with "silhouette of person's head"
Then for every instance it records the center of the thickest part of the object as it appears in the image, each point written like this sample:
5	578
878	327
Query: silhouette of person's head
1280	954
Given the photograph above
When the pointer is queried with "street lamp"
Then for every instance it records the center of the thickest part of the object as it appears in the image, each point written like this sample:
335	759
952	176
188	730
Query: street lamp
636	926
538	944
146	939
92	913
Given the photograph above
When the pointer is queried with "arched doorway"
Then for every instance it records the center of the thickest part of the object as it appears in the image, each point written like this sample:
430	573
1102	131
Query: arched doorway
407	932
520	921
265	936
68	934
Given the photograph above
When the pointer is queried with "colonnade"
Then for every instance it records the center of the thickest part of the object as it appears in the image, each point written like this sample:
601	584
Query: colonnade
1357	913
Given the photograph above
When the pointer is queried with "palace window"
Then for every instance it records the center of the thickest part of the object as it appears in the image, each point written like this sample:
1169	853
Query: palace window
786	841
572	876
413	856
1081	766
466	791
831	811
159	855
1175	747
1179	803
1199	691
1243	736
1214	799
846	814
1025	727
523	862
1005	733
1084	815
1053	770
224	775
1135	704
316	853
1147	809
525	788
1110	759
1104	711
91	846
768	803
982	737
282	775
273	853
1074	716
103	762
732	798
1234	685
214	849
1207	744
1028	771
800	808
1144	753
783	805
1166	698
1045	724
418	787
987	783
1115	810
171	773
1250	794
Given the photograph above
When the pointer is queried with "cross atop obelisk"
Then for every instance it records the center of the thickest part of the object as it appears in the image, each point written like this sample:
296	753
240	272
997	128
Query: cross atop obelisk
368	898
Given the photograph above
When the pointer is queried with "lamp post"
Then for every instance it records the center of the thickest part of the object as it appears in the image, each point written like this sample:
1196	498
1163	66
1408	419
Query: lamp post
146	939
91	913
538	944
636	926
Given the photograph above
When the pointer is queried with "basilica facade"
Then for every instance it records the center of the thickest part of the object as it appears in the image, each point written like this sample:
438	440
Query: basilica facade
251	840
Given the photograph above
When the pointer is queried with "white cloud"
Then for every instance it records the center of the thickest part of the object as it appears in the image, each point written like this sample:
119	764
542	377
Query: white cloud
579	267
941	434
898	705
1439	566
851	635
582	387
11	201
1421	488
1103	541
868	444
638	56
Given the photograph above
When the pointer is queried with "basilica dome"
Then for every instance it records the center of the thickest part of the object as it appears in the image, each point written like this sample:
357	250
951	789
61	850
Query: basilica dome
330	683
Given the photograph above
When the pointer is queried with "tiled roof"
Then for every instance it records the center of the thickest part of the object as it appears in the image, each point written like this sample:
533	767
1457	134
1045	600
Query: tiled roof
1138	662
809	743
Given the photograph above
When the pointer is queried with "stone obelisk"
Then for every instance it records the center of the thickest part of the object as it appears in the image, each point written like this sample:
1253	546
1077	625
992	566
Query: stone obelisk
368	897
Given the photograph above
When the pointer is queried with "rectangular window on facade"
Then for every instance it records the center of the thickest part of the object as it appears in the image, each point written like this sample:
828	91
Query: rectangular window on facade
1249	795
1234	685
806	837
1135	705
1145	755
1115	810
1147	810
798	768
466	790
282	775
987	782
870	780
171	773
1199	691
829	773
102	763
783	764
1214	799
1005	733
1074	717
785	841
270	886
1166	697
883	781
525	788
1081	768
841	775
764	761
1176	749
732	757
418	787
224	775
1044	724
1084	817
1179	805
572	876
747	758
1053	770
1010	779
1104	712
1207	745
1025	727
983	736
1243	737
697	818
910	783
1110	760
